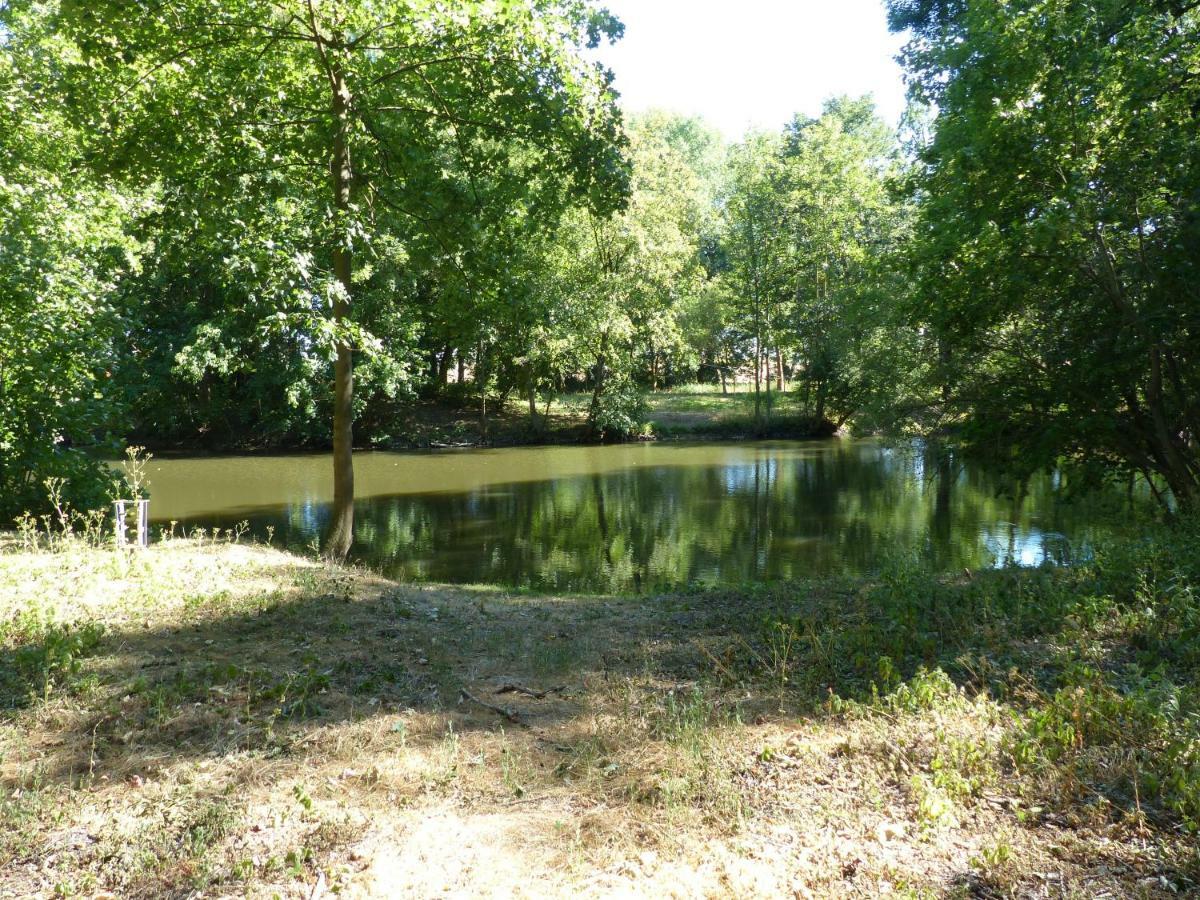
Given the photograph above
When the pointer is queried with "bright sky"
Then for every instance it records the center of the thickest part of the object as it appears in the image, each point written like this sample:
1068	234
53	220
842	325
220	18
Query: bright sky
739	63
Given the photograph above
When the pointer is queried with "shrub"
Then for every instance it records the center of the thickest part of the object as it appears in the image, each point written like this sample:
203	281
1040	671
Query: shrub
621	412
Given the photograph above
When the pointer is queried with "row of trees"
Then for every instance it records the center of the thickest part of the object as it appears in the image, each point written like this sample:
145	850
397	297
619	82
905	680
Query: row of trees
256	223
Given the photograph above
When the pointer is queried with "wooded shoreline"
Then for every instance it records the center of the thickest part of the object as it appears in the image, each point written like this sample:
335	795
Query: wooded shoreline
706	415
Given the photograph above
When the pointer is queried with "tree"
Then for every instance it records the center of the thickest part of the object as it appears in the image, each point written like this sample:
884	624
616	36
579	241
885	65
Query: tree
619	280
353	121
843	224
64	245
757	244
1059	235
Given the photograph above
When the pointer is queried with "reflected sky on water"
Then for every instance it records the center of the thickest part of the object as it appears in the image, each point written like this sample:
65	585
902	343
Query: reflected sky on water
640	517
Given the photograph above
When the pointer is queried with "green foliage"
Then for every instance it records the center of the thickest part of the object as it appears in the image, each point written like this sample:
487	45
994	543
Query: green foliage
617	284
202	206
1057	242
37	657
621	411
64	248
172	270
811	225
172	167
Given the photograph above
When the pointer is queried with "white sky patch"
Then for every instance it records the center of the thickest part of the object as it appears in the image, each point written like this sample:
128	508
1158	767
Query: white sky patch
753	63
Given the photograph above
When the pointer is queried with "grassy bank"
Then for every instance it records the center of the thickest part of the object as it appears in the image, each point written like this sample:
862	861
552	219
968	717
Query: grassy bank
698	411
227	719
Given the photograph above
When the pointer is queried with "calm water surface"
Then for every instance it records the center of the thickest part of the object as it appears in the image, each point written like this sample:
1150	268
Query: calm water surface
638	517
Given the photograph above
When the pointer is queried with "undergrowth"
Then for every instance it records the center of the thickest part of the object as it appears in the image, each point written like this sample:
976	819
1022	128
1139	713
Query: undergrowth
1093	672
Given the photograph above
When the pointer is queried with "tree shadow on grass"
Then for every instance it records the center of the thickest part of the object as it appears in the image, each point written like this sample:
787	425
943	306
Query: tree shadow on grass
281	673
264	673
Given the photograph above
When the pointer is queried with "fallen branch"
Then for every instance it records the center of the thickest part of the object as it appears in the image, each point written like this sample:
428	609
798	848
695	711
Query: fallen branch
511	714
529	692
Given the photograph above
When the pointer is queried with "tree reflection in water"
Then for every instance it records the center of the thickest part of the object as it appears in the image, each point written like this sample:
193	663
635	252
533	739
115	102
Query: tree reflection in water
653	519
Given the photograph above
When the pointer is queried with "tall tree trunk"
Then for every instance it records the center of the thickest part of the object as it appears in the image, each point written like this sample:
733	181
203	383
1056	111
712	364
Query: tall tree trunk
481	379
341	527
533	410
780	385
768	402
462	367
599	377
945	359
1181	467
757	369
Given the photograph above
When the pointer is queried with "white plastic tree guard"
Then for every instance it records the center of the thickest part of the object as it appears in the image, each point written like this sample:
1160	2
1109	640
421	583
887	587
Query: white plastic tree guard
121	510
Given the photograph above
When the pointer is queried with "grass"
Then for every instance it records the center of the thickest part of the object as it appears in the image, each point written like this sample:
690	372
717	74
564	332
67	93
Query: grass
213	718
683	412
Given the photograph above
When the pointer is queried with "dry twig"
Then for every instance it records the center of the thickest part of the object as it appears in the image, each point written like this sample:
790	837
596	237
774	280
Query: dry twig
511	714
529	692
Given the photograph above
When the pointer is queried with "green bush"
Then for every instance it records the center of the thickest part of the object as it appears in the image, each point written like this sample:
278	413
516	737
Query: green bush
621	412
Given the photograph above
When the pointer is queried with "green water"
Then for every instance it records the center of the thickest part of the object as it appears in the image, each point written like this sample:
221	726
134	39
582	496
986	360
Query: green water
639	517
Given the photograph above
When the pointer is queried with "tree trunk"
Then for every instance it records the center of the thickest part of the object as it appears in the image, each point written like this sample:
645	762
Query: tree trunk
944	361
341	527
1180	473
757	382
481	380
780	385
599	377
533	410
769	401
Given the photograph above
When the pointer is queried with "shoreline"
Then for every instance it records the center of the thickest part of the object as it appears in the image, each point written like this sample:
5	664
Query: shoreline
428	425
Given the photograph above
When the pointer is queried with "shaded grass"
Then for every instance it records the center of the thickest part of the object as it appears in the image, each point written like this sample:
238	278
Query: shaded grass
690	411
230	719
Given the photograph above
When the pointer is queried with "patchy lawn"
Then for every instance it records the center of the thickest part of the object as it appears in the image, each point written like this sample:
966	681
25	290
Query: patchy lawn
217	719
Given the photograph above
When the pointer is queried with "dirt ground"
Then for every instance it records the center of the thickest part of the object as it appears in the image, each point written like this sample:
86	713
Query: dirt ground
249	723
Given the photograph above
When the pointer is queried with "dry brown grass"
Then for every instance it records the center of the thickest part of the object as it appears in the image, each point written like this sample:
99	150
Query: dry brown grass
256	724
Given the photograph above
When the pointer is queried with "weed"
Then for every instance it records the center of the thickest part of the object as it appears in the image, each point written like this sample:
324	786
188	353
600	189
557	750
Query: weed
934	807
43	657
207	827
510	770
302	797
296	861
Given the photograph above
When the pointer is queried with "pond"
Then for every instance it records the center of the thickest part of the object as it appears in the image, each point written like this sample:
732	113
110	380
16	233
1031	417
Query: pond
640	517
